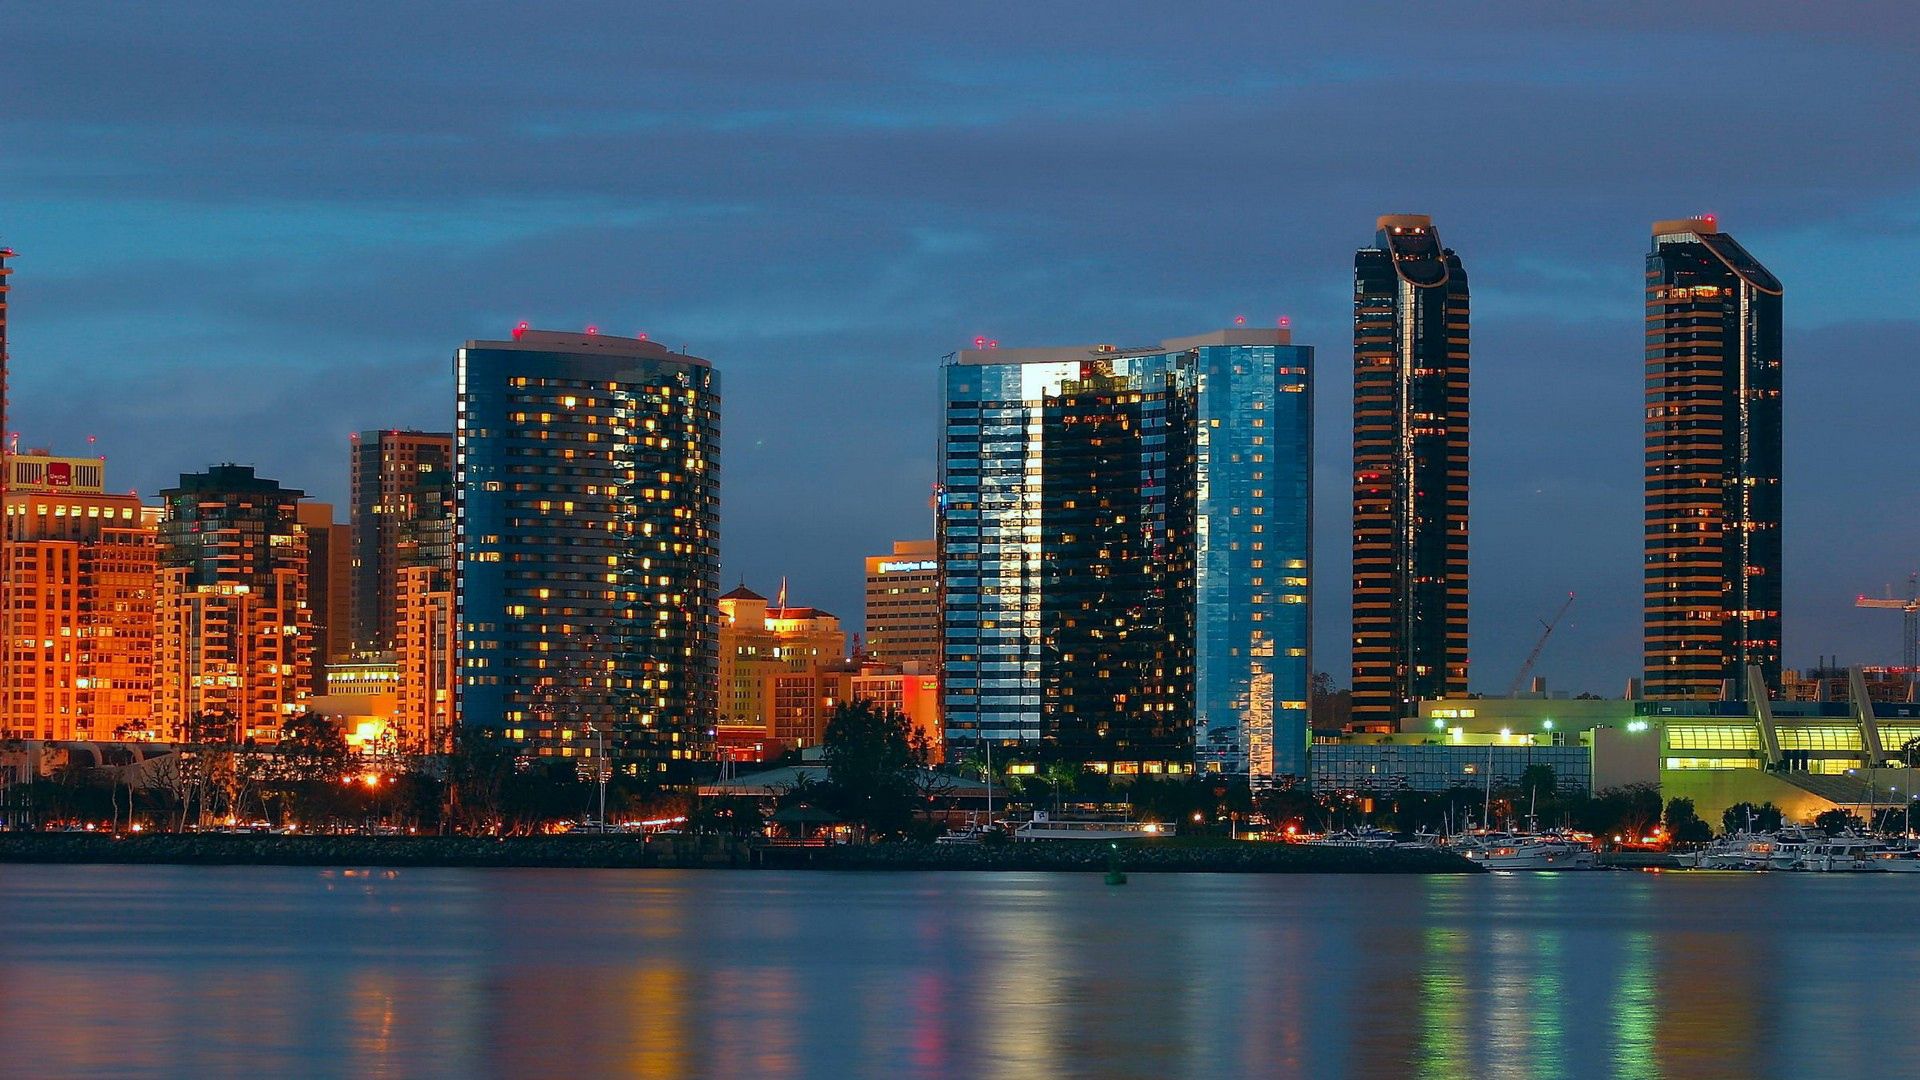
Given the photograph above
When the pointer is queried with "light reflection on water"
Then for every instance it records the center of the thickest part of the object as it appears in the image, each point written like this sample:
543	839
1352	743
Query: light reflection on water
114	971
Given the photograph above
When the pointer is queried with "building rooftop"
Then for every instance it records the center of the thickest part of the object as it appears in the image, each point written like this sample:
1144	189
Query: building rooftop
583	341
1067	354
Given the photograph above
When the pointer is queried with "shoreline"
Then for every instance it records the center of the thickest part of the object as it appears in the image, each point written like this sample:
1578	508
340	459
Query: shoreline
707	852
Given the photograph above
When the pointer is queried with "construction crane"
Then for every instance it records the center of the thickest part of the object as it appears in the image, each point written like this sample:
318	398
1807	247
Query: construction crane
1910	636
1526	669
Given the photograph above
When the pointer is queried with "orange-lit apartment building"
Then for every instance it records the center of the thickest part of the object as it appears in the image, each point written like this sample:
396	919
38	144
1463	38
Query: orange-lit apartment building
424	654
234	635
79	621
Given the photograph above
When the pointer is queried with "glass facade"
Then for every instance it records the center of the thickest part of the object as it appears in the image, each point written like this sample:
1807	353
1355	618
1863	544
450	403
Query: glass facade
1713	558
1124	553
1363	767
1409	472
586	473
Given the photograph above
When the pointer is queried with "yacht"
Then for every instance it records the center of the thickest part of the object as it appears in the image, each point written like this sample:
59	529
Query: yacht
1366	838
1045	826
1845	852
1540	851
1900	861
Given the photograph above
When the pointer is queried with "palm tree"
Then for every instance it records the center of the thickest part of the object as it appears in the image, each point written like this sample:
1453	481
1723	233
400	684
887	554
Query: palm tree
1060	773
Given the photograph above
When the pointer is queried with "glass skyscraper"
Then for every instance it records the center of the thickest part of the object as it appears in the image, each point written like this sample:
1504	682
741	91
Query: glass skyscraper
586	478
1409	472
1713	464
1124	554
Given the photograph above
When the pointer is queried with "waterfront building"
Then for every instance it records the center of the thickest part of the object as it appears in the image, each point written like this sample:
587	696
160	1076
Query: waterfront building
1410	351
329	584
233	630
401	516
78	628
586	479
1847	752
1124	553
903	604
1713	558
424	659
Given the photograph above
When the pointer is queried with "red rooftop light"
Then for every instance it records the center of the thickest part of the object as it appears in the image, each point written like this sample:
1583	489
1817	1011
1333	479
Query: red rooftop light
518	330
642	335
593	329
979	343
1285	321
1239	320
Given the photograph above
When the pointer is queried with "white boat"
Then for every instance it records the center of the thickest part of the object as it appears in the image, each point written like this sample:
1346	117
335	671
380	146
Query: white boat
1510	851
1363	838
1904	861
1046	827
1843	853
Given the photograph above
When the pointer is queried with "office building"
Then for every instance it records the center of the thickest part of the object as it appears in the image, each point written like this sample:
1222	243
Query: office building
1712	464
78	653
758	640
401	516
586	478
1124	553
903	604
234	645
1409	472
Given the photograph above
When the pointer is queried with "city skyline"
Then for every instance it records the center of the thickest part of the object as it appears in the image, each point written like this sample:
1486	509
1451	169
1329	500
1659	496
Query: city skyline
1553	262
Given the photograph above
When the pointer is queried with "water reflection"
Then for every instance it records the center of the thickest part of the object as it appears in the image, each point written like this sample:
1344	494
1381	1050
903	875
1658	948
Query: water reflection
111	970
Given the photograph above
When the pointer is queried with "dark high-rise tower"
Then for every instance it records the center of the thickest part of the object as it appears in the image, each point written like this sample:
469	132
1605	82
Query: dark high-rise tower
1713	464
1409	471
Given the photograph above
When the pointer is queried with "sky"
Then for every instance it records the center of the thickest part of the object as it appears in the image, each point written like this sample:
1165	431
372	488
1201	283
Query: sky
248	230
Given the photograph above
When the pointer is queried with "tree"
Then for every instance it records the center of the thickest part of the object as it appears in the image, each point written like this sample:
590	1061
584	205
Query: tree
314	748
1537	781
478	766
1765	817
873	755
1684	824
1836	820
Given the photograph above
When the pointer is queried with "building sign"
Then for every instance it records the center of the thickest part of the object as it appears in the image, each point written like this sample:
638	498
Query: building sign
908	567
59	474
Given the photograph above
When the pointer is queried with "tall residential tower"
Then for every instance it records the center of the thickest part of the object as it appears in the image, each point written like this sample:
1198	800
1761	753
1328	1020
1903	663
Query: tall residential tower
1409	471
1123	548
402	517
1713	464
586	480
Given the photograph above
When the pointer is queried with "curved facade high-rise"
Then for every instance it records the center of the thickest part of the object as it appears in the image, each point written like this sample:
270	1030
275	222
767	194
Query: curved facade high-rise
1409	471
586	481
1713	453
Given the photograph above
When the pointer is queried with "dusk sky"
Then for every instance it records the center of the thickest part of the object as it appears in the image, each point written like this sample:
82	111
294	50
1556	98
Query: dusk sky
247	230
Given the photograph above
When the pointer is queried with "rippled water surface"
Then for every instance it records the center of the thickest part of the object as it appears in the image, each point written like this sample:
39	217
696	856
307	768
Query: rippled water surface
184	971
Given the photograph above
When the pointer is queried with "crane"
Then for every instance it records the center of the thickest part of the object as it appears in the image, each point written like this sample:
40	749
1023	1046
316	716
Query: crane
1527	668
1910	637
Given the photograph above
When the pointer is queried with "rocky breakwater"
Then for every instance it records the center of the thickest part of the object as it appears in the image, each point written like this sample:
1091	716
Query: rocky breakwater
1144	856
229	849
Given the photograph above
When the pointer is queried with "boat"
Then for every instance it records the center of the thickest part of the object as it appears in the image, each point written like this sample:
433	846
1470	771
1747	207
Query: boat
1044	826
1899	861
1525	851
1842	853
1361	838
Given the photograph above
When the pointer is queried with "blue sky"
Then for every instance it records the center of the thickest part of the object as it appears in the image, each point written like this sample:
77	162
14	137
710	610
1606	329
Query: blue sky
248	230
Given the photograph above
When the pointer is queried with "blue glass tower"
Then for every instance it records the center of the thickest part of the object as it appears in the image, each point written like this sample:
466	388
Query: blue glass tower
1124	550
586	477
